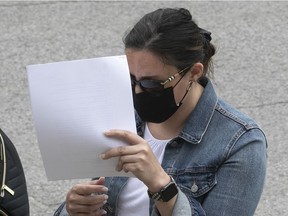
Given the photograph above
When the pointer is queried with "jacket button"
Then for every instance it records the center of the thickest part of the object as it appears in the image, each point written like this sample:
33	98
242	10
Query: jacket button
194	188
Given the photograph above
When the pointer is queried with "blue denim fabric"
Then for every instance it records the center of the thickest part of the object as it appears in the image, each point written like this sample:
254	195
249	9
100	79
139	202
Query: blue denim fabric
218	160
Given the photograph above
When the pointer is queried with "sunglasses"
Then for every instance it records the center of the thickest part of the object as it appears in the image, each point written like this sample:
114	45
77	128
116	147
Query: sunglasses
155	86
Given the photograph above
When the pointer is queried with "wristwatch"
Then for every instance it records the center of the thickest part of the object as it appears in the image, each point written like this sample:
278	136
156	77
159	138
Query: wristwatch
166	193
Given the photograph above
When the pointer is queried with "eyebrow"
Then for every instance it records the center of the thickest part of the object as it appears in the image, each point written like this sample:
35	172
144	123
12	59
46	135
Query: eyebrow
153	77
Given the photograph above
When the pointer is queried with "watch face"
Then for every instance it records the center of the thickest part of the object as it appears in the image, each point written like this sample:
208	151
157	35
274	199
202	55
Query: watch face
169	192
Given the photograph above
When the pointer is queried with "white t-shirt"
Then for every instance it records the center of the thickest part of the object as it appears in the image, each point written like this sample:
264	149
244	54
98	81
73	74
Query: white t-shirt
134	199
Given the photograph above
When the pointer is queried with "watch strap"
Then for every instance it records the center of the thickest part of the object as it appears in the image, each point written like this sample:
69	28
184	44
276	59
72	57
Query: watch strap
166	193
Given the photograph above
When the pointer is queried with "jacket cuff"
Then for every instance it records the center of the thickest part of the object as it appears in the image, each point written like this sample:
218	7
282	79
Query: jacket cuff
61	211
182	205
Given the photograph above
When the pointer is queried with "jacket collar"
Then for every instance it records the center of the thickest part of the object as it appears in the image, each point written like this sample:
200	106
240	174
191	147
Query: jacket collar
198	122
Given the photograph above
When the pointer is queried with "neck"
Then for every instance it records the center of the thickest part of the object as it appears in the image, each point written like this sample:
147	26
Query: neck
173	126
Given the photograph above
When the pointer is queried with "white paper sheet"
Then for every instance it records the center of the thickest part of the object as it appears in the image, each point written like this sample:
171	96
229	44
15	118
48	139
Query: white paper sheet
73	103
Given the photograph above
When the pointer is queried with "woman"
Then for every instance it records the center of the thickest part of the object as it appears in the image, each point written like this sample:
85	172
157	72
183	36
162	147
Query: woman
194	154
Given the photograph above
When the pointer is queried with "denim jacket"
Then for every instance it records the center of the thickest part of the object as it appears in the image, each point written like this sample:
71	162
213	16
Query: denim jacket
218	162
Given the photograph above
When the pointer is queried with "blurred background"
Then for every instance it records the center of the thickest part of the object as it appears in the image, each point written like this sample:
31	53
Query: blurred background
250	72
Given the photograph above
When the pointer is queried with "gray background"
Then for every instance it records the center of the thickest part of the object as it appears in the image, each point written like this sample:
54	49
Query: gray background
250	72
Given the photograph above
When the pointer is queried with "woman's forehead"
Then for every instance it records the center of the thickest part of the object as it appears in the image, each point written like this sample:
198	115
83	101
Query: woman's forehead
143	63
142	58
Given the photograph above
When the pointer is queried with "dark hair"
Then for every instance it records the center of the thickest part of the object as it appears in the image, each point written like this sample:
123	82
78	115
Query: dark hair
172	35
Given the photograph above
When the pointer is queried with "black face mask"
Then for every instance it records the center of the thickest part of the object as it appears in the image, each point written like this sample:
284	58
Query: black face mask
158	107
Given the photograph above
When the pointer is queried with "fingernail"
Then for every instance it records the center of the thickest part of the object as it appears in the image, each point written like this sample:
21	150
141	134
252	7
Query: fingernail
106	197
103	212
104	189
107	132
102	156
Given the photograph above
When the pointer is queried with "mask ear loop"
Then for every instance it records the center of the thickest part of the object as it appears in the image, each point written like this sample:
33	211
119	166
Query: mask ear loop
182	75
187	90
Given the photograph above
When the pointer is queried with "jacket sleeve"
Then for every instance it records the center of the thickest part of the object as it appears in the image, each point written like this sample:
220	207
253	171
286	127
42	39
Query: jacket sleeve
240	179
61	211
182	207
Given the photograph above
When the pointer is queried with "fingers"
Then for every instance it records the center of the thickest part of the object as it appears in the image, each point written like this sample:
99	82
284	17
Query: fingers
88	189
124	135
87	199
89	205
96	212
135	144
93	204
120	151
131	163
90	199
137	157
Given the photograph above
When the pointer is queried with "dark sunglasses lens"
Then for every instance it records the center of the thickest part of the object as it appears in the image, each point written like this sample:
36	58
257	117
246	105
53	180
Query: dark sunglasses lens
151	86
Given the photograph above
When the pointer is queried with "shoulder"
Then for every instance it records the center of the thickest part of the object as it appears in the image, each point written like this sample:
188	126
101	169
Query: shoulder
237	122
239	128
233	114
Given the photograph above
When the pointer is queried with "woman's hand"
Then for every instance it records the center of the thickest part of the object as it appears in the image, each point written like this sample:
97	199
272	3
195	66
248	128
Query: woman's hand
137	157
87	199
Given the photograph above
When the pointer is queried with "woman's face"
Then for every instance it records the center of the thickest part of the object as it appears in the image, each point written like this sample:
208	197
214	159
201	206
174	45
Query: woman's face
145	65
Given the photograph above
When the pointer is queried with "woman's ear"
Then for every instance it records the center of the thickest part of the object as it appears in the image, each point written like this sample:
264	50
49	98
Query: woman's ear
196	71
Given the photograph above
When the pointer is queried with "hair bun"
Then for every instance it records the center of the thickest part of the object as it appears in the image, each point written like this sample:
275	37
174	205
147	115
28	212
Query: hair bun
186	13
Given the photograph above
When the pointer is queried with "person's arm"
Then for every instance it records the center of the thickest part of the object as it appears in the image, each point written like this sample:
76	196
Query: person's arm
240	179
164	207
